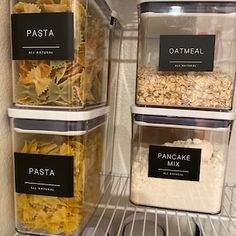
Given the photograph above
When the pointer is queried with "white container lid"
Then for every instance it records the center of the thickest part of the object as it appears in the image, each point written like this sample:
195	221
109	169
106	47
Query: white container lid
183	113
57	122
114	14
57	115
185	1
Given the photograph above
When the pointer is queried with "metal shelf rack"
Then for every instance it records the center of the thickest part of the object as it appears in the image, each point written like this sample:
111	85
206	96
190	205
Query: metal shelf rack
116	216
115	207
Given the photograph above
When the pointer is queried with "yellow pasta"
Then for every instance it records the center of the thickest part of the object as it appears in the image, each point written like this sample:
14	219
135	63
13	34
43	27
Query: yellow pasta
67	2
45	70
56	8
23	7
58	215
44	2
61	83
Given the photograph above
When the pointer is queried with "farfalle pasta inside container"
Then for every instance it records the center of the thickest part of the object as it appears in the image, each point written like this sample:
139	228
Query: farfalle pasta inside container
60	53
58	169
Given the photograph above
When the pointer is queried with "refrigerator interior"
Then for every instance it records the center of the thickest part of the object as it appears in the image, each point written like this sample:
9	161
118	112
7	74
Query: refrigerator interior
116	215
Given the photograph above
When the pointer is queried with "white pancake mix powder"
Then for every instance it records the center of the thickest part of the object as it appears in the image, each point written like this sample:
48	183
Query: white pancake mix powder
204	195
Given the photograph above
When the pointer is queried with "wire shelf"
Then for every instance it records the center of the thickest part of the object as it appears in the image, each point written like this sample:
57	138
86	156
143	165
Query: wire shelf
117	216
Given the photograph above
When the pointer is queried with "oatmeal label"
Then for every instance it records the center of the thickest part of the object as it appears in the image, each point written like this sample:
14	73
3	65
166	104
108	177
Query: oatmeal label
187	52
44	174
174	163
42	36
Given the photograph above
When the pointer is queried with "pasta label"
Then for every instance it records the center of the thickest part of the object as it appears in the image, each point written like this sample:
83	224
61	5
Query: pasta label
48	175
44	36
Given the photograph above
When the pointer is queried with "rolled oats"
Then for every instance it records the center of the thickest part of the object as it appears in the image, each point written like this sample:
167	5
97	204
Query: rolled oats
211	90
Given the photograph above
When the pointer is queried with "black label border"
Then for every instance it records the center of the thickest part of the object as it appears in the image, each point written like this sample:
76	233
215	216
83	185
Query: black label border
189	171
62	185
201	63
26	48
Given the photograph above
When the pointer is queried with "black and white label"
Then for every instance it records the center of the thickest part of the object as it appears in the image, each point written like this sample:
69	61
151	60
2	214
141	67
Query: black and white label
43	36
44	174
187	52
174	163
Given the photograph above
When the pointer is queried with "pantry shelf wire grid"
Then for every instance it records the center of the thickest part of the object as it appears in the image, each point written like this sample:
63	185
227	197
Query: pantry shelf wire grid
115	211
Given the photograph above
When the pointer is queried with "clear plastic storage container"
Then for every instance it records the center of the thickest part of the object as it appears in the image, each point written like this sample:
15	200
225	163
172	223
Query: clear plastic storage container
114	64
186	54
59	161
179	158
60	53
